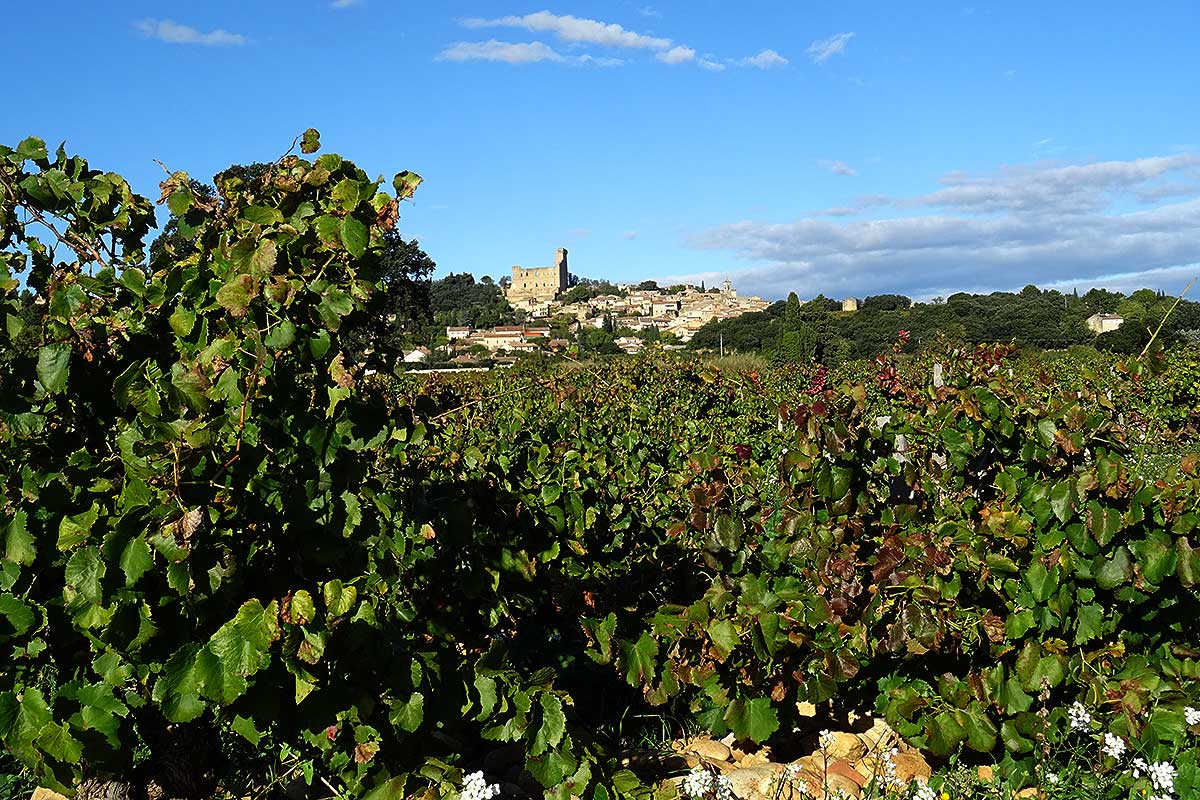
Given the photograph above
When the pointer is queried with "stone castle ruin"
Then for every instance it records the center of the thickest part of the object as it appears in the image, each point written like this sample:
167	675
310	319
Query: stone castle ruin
539	284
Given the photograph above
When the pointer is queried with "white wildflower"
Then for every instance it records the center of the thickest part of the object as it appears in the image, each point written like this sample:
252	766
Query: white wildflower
1113	746
791	777
886	769
476	787
1139	768
1079	716
923	792
698	782
1191	716
1051	778
724	788
826	737
1162	776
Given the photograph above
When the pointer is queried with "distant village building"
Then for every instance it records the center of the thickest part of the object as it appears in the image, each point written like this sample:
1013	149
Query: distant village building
535	285
850	304
454	332
500	339
417	356
1103	323
630	344
666	307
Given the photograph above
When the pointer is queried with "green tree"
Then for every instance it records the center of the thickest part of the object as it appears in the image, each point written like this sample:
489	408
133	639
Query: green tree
597	341
173	243
1128	339
797	340
378	333
886	302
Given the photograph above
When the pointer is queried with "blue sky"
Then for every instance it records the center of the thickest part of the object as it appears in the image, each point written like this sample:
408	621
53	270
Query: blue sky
850	148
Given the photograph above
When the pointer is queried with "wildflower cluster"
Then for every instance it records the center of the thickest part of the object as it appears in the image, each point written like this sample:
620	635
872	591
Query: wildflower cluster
476	787
1079	716
701	783
1160	775
1114	746
887	772
923	791
791	777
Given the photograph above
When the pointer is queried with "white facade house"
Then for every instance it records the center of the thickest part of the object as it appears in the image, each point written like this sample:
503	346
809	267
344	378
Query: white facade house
416	356
1103	323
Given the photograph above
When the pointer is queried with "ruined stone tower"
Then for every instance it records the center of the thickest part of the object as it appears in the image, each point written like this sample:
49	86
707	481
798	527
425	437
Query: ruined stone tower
539	284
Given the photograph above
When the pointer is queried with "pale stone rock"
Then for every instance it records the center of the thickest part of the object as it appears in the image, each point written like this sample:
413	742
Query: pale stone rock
753	759
752	783
835	783
845	746
911	766
42	793
879	738
705	749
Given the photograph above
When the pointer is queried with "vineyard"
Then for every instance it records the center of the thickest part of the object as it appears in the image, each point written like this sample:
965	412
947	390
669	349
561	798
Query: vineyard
235	563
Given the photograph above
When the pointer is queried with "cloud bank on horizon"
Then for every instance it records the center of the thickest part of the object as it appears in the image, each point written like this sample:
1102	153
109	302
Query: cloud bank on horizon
1121	224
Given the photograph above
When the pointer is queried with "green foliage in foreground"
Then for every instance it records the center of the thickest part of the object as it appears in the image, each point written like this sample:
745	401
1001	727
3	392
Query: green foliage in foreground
948	564
210	523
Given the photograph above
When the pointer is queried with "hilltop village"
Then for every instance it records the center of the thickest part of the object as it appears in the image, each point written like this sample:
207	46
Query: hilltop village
547	310
554	315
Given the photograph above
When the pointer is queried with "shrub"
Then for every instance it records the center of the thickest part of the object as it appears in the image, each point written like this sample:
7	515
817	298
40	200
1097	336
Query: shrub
949	564
201	503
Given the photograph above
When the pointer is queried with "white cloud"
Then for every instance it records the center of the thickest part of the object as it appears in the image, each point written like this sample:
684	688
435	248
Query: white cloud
765	60
677	55
822	50
508	52
649	11
1075	188
629	236
345	3
173	33
520	53
599	61
581	32
838	167
1042	224
577	30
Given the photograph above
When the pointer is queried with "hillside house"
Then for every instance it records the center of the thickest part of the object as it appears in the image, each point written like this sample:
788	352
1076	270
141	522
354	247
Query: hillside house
1103	323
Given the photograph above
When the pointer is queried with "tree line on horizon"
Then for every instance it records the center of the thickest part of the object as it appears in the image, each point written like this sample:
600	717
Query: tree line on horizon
791	331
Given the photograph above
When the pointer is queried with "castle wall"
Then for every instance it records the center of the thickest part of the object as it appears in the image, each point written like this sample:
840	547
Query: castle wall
539	283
